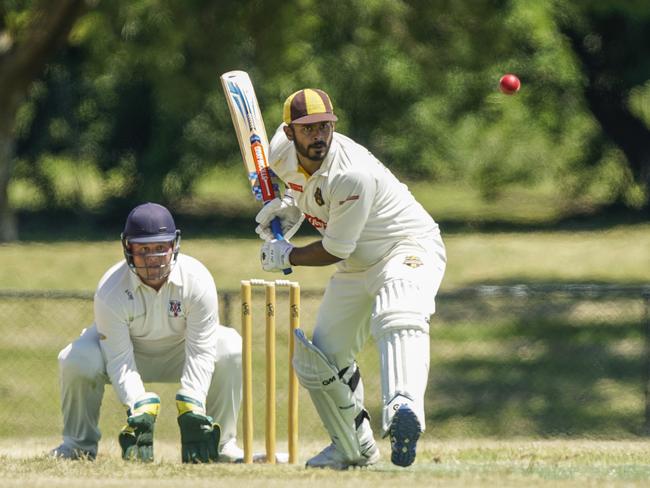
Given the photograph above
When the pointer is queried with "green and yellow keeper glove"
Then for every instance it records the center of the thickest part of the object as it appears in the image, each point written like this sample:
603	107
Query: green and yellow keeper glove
199	434
136	437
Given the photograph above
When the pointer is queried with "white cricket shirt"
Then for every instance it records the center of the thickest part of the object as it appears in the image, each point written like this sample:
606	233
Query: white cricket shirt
132	317
361	209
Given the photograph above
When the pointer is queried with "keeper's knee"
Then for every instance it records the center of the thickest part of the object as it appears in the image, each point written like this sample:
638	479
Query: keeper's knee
229	345
80	360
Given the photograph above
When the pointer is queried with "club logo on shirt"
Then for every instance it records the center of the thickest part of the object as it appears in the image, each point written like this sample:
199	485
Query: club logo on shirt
129	294
295	186
318	196
413	261
174	308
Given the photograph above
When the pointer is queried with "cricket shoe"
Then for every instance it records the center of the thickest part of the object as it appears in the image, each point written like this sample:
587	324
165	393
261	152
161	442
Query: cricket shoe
404	433
230	452
72	453
332	459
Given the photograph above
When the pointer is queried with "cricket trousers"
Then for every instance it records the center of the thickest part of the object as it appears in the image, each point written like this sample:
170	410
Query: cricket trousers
82	375
392	300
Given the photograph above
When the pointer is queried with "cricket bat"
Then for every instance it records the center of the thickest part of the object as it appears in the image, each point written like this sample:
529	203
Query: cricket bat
253	142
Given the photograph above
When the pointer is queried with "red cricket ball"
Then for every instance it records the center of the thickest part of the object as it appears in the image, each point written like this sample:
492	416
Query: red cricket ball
509	84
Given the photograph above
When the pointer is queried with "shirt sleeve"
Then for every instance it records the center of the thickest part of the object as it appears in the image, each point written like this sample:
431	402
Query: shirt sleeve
351	198
117	348
201	340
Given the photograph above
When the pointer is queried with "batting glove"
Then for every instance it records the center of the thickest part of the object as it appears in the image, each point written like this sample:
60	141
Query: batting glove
199	434
286	210
274	255
136	437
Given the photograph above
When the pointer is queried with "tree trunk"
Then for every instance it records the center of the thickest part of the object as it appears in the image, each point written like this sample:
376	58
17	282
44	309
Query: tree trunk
8	225
20	63
600	50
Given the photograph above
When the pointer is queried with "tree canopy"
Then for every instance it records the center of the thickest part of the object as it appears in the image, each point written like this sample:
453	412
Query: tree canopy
134	94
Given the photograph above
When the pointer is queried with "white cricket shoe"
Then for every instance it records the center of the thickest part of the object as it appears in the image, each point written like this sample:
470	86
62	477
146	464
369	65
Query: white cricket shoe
230	452
72	453
331	458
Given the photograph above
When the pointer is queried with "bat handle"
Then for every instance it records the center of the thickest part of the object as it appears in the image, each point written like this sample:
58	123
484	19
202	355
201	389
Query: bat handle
276	227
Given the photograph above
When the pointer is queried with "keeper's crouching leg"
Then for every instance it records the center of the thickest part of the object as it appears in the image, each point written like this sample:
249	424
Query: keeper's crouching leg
82	378
225	394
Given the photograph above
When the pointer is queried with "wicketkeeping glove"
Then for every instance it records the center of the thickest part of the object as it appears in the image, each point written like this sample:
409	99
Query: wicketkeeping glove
136	437
199	434
274	255
286	210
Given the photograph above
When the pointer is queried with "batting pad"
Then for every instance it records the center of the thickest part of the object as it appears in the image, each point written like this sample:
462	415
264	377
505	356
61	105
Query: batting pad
338	406
404	360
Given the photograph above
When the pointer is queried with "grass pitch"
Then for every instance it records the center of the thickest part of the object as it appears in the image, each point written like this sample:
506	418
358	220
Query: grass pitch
476	463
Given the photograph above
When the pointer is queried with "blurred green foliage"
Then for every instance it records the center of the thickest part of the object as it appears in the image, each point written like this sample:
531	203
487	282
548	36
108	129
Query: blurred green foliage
135	103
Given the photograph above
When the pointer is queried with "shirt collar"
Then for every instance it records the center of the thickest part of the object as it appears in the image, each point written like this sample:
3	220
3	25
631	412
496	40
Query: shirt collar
325	165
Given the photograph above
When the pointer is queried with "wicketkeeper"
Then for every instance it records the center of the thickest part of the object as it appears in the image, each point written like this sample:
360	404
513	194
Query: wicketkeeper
390	261
156	320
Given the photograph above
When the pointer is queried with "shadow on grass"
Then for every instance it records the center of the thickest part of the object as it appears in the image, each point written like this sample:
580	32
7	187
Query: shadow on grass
548	378
84	225
596	219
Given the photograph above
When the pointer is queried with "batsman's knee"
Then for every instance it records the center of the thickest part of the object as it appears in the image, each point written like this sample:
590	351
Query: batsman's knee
399	320
400	304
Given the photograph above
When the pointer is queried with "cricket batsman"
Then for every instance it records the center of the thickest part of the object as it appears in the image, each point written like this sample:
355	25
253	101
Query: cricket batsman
156	320
390	261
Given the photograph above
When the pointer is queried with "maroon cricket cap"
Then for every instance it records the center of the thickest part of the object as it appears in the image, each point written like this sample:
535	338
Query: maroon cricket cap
308	106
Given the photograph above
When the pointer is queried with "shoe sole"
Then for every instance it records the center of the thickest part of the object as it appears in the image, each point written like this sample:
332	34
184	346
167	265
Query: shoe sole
404	434
76	456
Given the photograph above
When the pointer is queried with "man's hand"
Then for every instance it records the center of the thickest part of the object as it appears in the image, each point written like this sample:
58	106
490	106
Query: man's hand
199	434
199	438
136	437
274	255
286	210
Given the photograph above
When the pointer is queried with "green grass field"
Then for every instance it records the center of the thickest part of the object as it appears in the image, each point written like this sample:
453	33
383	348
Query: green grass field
460	463
522	395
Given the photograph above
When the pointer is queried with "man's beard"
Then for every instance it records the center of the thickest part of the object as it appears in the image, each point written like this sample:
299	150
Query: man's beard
318	157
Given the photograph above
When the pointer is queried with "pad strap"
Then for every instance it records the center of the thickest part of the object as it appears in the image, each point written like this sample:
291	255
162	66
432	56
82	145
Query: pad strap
339	406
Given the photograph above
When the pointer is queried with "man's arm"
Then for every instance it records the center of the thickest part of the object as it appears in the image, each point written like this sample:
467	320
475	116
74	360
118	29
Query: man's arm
116	345
313	254
200	335
200	435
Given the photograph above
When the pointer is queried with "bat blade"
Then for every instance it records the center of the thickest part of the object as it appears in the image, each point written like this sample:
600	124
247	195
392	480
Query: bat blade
253	142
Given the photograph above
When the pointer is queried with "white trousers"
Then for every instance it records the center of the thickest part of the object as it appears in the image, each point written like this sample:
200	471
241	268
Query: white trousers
82	374
392	298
